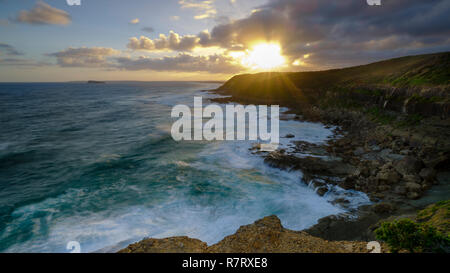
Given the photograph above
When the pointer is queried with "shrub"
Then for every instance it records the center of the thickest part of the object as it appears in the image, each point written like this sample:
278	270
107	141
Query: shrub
411	236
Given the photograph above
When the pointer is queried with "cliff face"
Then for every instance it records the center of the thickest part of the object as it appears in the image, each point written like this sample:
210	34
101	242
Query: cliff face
411	85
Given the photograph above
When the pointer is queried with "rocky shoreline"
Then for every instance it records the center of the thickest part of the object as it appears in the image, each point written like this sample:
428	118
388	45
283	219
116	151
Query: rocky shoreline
395	166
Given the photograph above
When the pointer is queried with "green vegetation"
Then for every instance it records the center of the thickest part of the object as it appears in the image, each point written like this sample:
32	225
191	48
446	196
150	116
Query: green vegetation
426	75
437	215
409	120
407	235
420	99
379	115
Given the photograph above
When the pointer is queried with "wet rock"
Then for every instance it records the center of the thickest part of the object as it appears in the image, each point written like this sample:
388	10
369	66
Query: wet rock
413	187
400	190
365	171
388	177
385	152
414	179
340	201
375	148
408	165
289	136
317	184
405	152
384	188
383	208
348	183
359	151
322	191
313	165
428	174
413	195
439	162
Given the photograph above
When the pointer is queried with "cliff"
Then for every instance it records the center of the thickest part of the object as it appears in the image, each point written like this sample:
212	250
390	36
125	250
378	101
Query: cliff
410	85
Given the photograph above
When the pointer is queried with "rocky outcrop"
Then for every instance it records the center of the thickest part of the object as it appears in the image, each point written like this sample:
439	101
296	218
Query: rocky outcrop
264	236
308	164
180	244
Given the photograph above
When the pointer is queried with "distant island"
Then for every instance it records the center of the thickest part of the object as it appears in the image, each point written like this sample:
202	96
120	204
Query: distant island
96	82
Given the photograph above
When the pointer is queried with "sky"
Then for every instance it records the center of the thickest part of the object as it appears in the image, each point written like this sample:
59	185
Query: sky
150	40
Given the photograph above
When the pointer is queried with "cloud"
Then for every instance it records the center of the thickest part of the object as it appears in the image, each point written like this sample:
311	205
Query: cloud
84	57
205	8
174	42
100	57
135	21
148	29
18	62
42	14
9	50
341	32
182	62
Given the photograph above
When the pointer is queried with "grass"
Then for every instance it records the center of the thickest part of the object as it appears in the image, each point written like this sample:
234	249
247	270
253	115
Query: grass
379	115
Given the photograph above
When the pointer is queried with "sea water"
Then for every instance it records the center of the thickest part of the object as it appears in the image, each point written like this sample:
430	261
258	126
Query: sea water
96	164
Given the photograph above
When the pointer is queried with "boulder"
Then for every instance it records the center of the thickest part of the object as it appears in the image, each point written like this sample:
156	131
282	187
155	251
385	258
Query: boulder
322	191
400	190
383	208
413	195
437	162
348	183
413	187
412	179
388	177
408	165
428	174
359	151
340	201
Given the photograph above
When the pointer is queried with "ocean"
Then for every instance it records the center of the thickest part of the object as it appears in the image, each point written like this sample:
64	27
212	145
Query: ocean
96	164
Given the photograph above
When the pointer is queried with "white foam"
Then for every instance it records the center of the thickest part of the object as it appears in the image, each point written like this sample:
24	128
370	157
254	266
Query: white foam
243	189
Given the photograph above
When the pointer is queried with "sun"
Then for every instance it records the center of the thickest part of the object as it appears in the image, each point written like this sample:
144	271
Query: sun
262	56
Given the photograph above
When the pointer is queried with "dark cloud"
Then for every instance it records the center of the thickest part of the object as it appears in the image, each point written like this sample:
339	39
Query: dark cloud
352	28
333	33
9	50
183	63
44	14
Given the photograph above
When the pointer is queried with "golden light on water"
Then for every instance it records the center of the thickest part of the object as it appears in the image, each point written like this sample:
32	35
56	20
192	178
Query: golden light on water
261	56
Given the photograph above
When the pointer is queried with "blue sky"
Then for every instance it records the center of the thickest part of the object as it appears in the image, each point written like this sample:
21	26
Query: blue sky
58	42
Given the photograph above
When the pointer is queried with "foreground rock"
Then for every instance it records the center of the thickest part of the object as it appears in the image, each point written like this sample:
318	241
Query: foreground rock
264	236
